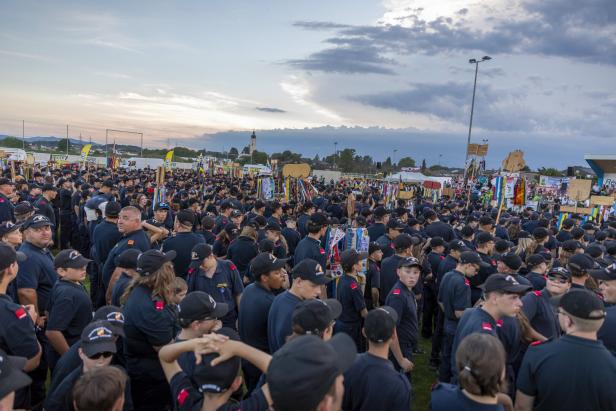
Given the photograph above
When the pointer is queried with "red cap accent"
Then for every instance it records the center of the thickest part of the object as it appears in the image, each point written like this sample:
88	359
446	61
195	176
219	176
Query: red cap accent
396	291
182	396
21	313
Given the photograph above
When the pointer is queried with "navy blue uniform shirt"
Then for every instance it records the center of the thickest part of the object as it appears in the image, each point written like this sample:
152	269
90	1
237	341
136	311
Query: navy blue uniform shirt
541	313
373	280
279	320
182	244
119	287
386	245
17	336
448	397
37	272
241	251
372	383
45	208
475	320
137	239
351	298
7	211
389	276
401	299
536	280
607	332
252	321
455	295
70	310
104	238
224	286
376	230
308	247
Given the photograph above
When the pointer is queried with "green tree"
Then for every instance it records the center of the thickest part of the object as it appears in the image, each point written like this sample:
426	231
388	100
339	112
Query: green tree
346	159
406	162
62	145
14	142
552	172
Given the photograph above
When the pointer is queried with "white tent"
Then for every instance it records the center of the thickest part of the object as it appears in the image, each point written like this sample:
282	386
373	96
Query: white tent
416	177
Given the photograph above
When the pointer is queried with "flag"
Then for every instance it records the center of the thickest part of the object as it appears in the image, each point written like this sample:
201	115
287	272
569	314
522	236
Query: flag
85	151
498	187
519	196
168	159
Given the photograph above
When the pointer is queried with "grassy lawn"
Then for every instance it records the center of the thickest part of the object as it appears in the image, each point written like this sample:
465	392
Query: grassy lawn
423	377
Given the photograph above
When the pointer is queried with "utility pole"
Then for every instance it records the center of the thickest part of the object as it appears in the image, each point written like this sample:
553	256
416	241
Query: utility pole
67	143
23	134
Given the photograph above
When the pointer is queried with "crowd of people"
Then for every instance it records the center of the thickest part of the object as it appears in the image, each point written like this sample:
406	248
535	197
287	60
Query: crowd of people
214	299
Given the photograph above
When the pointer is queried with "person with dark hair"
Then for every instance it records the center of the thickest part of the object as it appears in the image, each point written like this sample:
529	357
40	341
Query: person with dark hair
125	272
351	297
291	235
537	267
372	383
607	286
12	379
542	384
315	317
310	246
377	228
403	245
386	241
579	266
100	389
373	276
480	362
183	241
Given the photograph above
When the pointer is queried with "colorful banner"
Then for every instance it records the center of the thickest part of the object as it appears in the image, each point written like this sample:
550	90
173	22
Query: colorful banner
85	151
168	159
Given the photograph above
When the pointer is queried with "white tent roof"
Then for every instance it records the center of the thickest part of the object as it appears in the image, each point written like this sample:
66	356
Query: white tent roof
415	177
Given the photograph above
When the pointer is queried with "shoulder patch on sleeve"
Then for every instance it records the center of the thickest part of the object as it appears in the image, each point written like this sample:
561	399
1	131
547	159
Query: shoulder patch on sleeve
130	243
486	326
183	396
534	343
537	293
322	250
499	323
467	282
353	285
232	267
159	305
396	291
391	245
21	313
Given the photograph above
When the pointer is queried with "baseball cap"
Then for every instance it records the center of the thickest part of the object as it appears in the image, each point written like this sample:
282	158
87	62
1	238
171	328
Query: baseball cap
8	227
607	273
610	247
319	219
571	245
581	262
37	221
70	258
12	378
540	232
24	207
395	224
309	269
457	245
236	213
114	316
151	260
161	206
199	306
232	230
128	259
108	183
471	257
380	323
568	223
379	211
97	337
304	370
350	257
483	238
6	181
581	304
48	187
186	217
560	271
273	226
314	316
511	260
8	256
505	283
112	209
217	379
373	246
409	262
594	251
535	260
199	253
263	263
437	242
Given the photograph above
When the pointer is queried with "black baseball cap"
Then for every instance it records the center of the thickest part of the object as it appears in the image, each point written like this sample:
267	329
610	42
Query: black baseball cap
273	226
49	187
199	253
571	245
511	260
161	206
12	377
581	304
231	230
24	207
351	257
373	246
319	219
8	227
217	379
457	245
112	209
535	260
304	370
114	316
582	262
504	283
314	316
437	242
263	263
395	224
594	251
128	259
560	271
70	258
606	274
471	257
380	324
151	260
483	237
199	306
236	213
186	217
409	262
6	181
309	269
37	221
540	232
8	256
97	337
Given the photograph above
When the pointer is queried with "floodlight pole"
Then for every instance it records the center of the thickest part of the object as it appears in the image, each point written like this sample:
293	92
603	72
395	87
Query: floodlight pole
470	125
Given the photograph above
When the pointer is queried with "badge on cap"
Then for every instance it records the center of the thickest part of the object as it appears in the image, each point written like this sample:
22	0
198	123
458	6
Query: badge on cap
100	332
116	316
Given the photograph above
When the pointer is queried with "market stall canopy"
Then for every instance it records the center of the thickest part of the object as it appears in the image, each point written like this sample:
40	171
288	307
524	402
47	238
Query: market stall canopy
415	177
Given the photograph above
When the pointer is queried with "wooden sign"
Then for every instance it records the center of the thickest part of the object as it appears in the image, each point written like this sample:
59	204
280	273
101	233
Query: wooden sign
405	195
480	150
602	200
514	161
578	210
449	192
296	170
579	190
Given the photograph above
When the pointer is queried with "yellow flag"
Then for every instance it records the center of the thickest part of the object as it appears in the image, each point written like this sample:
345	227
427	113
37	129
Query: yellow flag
168	159
85	151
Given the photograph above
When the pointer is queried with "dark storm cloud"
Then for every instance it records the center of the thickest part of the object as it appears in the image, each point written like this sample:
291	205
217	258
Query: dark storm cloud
346	59
270	109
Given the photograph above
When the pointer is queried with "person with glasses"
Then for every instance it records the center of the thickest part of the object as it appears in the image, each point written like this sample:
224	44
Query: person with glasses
537	305
575	371
97	349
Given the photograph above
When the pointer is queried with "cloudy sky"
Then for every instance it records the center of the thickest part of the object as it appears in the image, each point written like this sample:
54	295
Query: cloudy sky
377	76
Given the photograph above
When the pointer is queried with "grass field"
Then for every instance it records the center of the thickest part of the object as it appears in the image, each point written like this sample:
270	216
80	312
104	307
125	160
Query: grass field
423	378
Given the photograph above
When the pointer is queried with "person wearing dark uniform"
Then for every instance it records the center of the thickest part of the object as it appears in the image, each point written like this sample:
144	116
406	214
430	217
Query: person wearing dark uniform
35	279
537	266
454	296
149	323
372	383
224	218
257	299
389	266
133	236
66	212
218	278
607	286
351	297
502	298
402	299
377	229
485	248
303	218
310	246
106	236
159	220
17	334
430	292
70	308
291	235
7	188
386	241
373	276
543	385
183	242
242	250
308	278
44	203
